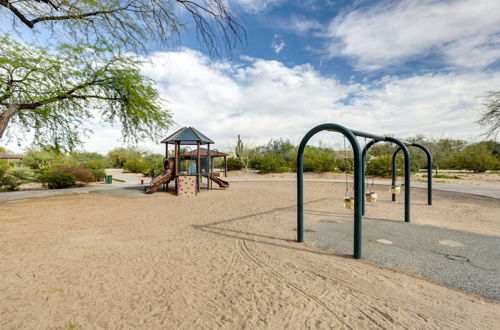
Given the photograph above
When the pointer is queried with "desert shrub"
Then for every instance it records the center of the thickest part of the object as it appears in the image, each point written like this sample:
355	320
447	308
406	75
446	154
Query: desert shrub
7	180
79	173
380	166
119	156
345	165
97	168
23	173
476	157
59	180
99	175
234	164
270	163
44	158
86	157
152	161
94	164
318	160
11	177
137	166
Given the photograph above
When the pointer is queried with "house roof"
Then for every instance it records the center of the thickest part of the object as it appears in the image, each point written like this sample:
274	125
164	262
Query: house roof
189	136
204	153
7	156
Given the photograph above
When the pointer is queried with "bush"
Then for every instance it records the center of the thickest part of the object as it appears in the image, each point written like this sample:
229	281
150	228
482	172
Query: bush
476	157
270	163
79	173
380	166
234	164
23	173
99	174
11	177
318	160
137	166
119	156
59	180
347	165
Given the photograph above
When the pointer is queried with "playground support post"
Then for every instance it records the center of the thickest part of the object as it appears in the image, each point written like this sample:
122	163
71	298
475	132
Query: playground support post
407	171
407	174
357	183
429	170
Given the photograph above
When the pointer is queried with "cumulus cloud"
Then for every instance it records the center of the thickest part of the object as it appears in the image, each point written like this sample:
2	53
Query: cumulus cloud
278	44
255	6
300	25
462	33
263	99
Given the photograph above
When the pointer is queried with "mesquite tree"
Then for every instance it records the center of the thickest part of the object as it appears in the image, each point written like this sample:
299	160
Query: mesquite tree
54	94
129	24
491	115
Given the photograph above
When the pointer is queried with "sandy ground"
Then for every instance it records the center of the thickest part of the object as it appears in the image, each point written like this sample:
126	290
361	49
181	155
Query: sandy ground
489	178
225	259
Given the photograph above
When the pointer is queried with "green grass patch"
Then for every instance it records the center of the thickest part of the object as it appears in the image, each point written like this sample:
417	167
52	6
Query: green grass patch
444	176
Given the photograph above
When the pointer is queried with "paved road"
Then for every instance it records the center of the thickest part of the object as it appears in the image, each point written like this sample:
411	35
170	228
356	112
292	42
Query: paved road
9	196
131	181
483	190
467	261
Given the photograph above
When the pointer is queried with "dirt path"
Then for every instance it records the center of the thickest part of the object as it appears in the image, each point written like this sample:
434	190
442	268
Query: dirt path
225	259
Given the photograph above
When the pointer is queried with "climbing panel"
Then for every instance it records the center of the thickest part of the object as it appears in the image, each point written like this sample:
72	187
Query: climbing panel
186	185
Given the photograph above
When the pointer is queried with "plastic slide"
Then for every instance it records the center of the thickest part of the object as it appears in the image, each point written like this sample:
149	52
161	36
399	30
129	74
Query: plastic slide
158	181
219	181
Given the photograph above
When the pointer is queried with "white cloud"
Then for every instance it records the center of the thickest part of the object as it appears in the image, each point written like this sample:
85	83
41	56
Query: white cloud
255	6
262	99
300	25
463	33
278	44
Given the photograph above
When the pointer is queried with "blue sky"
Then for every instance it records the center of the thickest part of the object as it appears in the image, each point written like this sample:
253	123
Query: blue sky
400	67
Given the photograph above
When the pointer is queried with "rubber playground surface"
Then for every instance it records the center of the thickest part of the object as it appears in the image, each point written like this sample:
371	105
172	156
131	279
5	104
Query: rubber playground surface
459	259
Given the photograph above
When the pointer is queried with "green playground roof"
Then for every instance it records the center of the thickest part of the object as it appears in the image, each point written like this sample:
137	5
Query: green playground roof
187	135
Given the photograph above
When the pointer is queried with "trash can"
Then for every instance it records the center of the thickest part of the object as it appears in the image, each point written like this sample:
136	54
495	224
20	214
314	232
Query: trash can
109	179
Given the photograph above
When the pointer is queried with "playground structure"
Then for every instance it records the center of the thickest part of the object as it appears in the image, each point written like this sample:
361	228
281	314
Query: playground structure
357	202
197	163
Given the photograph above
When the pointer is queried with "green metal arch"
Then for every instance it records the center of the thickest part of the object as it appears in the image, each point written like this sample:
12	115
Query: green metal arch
429	170
358	183
406	153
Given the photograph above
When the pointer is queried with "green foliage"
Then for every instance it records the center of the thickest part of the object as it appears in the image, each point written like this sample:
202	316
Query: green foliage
137	166
444	176
90	157
270	163
59	180
119	156
11	177
234	164
22	173
99	174
476	157
380	166
129	25
318	160
45	157
153	161
52	93
239	148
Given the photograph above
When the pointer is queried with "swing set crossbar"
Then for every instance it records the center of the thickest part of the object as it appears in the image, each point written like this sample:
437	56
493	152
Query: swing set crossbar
368	135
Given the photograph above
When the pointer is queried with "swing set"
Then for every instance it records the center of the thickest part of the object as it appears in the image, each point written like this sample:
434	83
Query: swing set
355	201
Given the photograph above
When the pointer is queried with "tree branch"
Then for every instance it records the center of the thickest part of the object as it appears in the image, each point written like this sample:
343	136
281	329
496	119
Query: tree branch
16	12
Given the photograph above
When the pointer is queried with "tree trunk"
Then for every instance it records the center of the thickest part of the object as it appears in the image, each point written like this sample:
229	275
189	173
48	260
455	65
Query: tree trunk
5	117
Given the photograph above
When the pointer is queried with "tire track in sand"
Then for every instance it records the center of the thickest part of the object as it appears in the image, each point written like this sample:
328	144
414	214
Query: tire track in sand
247	253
